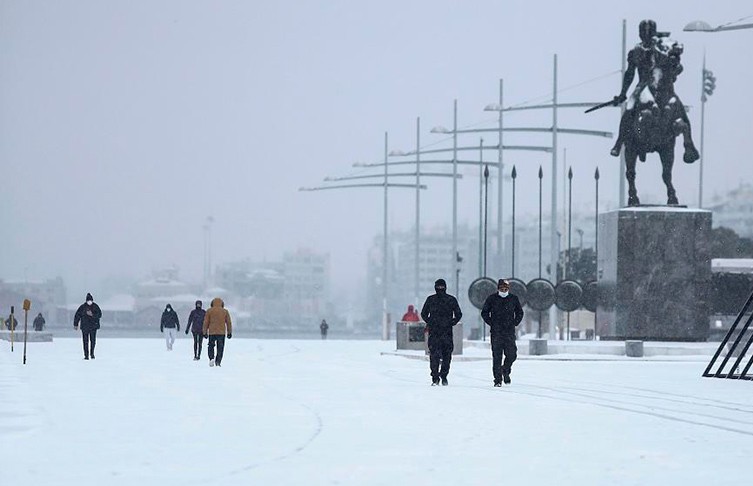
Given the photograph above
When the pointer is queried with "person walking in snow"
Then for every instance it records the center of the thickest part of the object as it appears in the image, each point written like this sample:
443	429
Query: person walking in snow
88	316
440	313
11	322
217	325
323	328
502	312
39	322
195	324
169	326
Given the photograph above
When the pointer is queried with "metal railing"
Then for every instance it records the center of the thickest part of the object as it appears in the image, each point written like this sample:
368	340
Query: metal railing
730	352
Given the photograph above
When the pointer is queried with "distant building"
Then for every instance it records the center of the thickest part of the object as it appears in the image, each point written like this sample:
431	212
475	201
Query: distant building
735	210
289	294
46	296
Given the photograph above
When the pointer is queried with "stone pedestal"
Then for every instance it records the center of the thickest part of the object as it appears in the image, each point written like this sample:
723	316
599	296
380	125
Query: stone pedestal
32	337
654	273
411	335
537	347
634	349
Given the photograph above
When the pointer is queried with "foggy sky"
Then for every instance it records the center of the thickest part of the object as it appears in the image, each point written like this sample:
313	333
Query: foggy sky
123	125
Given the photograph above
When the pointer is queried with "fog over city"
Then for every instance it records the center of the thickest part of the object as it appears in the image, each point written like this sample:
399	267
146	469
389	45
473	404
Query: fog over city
124	125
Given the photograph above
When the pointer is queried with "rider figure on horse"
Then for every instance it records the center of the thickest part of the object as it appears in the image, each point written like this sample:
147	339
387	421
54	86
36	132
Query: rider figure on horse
653	58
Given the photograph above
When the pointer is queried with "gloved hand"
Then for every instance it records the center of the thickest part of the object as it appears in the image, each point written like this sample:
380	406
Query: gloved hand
186	332
619	99
229	335
162	331
75	328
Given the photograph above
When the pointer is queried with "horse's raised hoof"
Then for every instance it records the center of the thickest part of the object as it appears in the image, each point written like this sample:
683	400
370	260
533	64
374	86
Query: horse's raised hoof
691	154
633	201
672	201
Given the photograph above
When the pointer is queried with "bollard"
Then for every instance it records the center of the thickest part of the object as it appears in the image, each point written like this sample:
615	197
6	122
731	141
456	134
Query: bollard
537	347
634	349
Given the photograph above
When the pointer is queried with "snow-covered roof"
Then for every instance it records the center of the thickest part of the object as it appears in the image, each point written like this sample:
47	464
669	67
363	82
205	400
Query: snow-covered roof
161	282
732	265
175	299
119	303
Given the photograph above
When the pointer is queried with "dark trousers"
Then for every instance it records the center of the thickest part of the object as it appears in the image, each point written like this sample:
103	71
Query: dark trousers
503	345
220	341
440	352
198	338
90	340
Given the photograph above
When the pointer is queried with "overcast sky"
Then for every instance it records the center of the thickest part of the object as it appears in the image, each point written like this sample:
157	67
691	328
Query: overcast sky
123	125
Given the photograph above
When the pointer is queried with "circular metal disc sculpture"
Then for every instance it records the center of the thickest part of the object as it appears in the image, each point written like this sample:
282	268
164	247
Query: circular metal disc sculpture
480	289
541	294
569	295
591	296
518	289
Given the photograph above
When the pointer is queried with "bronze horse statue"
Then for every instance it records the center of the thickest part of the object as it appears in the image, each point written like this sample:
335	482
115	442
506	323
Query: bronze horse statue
654	114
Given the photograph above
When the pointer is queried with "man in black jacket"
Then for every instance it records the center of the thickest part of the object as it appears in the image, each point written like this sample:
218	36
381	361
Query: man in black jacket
502	312
440	312
88	314
169	323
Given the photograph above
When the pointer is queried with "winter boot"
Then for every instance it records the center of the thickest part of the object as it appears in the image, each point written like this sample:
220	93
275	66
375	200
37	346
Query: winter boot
444	382
434	381
506	378
497	383
211	363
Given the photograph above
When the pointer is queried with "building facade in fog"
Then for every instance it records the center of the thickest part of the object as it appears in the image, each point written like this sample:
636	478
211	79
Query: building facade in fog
734	211
291	294
47	296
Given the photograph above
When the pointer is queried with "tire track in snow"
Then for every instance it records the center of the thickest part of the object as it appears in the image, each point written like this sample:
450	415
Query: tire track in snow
664	416
319	423
516	390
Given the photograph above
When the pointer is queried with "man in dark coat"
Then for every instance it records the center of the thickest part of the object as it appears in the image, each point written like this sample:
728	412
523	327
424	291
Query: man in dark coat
11	321
440	312
169	326
88	315
195	323
39	322
323	328
502	312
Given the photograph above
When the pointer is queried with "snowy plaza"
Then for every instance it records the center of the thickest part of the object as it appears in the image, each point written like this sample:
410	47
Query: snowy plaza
348	412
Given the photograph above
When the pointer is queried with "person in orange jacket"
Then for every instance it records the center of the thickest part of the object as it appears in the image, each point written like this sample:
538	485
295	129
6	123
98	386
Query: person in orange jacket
217	324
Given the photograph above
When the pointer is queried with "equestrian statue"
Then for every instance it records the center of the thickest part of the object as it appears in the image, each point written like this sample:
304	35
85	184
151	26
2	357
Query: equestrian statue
654	115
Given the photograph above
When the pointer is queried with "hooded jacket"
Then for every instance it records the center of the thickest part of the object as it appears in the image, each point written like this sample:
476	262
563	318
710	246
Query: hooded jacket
217	319
88	315
169	319
440	312
196	320
39	323
411	315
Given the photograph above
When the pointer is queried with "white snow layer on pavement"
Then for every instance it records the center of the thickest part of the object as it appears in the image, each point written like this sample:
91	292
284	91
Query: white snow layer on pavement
337	412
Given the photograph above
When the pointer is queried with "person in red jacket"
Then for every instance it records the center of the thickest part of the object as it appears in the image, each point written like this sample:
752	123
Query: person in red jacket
411	315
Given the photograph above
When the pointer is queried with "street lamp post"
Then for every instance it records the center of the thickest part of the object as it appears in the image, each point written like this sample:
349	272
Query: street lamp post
701	26
455	268
385	259
208	251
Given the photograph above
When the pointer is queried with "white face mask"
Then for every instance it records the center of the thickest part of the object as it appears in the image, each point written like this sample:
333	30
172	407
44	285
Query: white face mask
503	294
89	302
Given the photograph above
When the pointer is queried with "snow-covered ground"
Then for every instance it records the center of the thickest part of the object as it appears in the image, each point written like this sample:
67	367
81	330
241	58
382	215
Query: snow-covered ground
339	412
